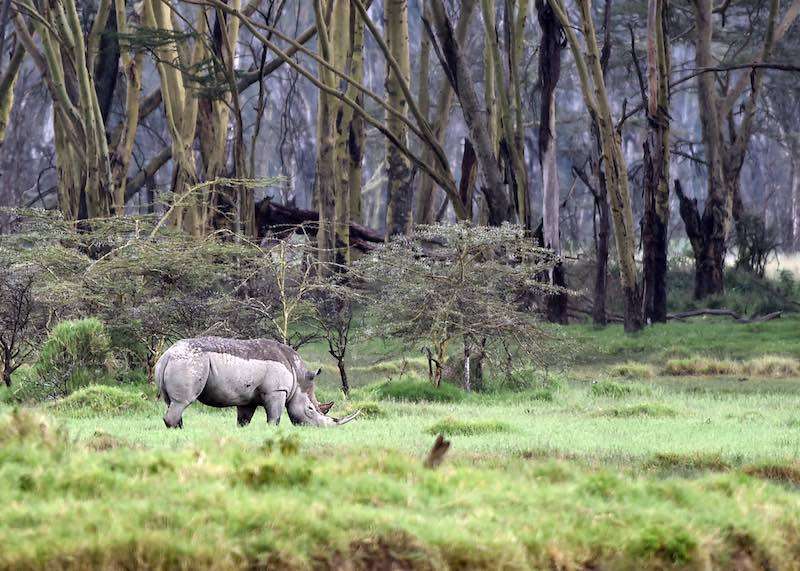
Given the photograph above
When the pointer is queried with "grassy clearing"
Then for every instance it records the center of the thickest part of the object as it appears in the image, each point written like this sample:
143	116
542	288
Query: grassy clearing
582	471
282	504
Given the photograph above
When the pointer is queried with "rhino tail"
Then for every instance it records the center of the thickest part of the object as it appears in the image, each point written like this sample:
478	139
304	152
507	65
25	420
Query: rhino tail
161	366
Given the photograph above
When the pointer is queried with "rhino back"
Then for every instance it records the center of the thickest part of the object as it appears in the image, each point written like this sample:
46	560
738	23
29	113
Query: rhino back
242	371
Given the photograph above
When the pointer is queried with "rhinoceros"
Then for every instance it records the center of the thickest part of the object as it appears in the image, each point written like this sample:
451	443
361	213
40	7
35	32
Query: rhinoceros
246	374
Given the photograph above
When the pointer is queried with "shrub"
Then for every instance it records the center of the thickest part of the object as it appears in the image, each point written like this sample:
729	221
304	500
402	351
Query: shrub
419	391
369	409
700	366
612	389
632	370
102	400
454	427
75	354
543	395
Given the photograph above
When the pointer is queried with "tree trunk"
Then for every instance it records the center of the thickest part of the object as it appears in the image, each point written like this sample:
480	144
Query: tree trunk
601	271
655	223
466	377
595	96
457	71
343	376
549	73
401	192
426	213
326	158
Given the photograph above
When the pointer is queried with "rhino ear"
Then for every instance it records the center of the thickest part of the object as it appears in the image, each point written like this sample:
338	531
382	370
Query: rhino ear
318	373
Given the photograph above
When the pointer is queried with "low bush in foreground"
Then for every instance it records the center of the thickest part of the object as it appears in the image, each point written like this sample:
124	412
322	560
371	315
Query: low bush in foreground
455	427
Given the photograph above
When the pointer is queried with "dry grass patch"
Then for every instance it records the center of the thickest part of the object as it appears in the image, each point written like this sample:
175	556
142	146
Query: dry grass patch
786	473
773	366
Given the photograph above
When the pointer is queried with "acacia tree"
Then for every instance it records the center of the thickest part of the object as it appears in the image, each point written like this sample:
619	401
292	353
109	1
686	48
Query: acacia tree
65	56
459	284
725	141
21	315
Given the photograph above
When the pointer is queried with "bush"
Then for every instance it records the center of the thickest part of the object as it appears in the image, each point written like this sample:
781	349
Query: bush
102	400
76	354
632	370
454	427
419	391
369	409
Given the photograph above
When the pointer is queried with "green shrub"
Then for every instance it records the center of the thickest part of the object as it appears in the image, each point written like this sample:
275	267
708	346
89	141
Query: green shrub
419	391
102	400
455	427
613	389
632	370
76	354
369	409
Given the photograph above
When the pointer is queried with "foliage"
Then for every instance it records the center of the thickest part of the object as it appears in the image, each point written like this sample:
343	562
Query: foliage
75	354
755	244
458	283
22	317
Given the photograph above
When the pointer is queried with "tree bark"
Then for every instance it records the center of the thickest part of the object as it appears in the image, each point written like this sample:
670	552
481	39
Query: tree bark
595	96
475	116
426	213
549	73
400	189
655	223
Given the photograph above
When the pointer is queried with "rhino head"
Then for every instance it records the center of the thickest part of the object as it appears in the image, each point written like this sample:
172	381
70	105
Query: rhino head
303	407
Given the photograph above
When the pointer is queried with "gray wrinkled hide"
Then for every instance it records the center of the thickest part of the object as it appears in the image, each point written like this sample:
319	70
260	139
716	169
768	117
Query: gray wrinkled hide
246	374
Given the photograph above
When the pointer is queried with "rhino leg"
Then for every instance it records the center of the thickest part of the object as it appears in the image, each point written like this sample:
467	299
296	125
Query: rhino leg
174	416
244	414
274	403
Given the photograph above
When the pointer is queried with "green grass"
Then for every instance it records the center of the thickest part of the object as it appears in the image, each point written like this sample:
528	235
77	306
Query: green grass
455	427
647	472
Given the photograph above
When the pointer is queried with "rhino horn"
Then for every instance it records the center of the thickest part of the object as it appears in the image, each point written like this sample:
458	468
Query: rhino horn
348	418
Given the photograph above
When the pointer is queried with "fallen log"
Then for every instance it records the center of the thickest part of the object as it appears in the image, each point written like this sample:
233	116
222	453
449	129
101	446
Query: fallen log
282	219
725	313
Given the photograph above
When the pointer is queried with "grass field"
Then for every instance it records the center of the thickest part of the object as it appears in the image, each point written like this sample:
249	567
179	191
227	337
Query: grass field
624	461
